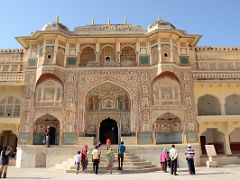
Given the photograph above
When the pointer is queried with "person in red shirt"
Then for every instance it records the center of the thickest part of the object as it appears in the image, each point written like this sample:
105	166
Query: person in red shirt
108	143
84	157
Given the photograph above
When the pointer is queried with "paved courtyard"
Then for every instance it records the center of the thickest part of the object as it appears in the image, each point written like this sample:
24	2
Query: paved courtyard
225	172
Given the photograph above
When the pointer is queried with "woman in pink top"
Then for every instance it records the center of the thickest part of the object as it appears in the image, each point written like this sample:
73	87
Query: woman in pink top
163	160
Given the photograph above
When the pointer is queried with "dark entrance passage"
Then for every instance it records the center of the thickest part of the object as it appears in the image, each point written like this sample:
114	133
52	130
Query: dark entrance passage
52	134
108	129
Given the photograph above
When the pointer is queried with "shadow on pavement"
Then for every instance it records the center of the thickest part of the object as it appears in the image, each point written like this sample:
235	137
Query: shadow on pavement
9	177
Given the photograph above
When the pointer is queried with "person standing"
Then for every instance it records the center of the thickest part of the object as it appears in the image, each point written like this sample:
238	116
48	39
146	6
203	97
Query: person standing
5	161
78	160
108	143
169	160
110	160
190	159
112	136
121	151
47	137
173	154
163	160
84	157
96	159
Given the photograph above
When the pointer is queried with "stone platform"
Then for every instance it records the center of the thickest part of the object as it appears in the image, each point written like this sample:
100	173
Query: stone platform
202	173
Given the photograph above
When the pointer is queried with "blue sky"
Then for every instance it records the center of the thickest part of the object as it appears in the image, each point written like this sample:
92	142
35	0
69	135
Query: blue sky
217	20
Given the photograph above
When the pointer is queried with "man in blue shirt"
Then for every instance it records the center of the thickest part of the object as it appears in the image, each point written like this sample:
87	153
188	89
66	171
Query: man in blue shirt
121	151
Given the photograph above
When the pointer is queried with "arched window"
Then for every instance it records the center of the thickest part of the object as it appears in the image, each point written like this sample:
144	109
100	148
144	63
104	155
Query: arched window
232	104
10	107
128	56
208	105
49	93
107	56
166	91
87	56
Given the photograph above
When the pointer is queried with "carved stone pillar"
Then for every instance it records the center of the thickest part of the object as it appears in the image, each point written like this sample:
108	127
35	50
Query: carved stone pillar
117	58
227	145
97	57
55	52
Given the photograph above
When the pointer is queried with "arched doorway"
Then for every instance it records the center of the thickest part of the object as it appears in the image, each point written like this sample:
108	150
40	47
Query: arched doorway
107	100
212	136
40	127
234	139
8	138
108	129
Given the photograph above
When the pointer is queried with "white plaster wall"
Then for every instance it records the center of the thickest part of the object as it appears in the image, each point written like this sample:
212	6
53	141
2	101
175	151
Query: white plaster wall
26	155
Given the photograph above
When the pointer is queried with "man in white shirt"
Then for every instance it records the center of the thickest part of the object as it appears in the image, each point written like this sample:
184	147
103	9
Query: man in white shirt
78	160
173	156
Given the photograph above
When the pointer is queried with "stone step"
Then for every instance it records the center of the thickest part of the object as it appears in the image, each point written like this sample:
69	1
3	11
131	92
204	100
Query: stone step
103	170
127	166
70	164
132	164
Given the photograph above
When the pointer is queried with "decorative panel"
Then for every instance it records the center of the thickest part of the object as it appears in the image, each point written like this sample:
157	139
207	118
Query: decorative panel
69	138
144	60
32	63
191	137
162	138
145	138
24	137
71	60
38	138
184	60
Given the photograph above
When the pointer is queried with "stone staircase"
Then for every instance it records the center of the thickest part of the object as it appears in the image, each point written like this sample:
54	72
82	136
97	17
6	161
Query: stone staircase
131	164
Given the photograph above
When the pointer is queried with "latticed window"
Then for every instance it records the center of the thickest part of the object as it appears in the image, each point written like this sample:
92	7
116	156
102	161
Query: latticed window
10	106
107	56
87	56
128	56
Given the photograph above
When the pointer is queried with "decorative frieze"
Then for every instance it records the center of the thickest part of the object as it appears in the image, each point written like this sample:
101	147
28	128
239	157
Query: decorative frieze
210	75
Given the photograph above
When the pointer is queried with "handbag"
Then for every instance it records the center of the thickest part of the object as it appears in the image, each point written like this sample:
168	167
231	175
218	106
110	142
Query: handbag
1	158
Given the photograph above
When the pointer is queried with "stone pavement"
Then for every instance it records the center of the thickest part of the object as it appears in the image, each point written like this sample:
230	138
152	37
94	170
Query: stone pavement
230	172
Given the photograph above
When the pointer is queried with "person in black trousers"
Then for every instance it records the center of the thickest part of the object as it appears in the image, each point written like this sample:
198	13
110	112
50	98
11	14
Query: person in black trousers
173	156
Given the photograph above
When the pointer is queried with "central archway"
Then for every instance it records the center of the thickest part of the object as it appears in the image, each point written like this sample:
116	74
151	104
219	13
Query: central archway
107	100
108	129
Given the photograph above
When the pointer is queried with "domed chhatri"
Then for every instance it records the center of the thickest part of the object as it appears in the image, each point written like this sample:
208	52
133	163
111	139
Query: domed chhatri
160	24
109	28
55	26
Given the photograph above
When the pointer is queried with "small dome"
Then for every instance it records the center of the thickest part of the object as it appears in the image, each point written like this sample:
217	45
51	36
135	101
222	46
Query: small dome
53	26
160	24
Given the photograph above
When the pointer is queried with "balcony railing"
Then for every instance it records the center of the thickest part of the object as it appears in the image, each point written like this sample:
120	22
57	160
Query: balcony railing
11	77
